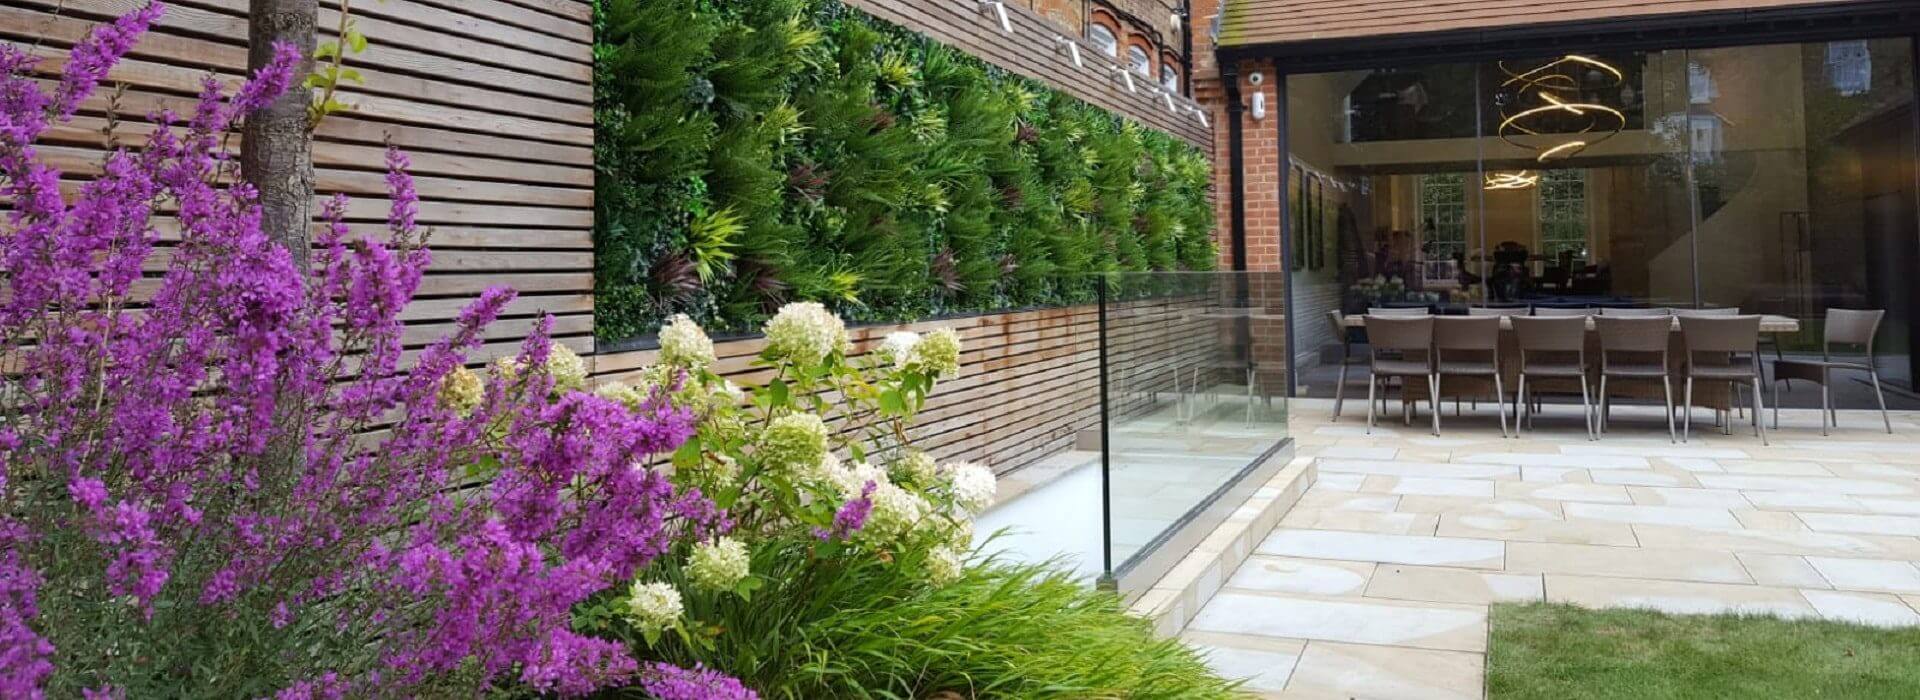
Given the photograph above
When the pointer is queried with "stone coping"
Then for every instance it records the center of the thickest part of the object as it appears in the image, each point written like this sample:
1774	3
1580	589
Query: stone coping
1172	601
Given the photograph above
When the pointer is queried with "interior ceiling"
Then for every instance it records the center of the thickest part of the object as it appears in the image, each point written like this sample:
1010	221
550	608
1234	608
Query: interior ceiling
1266	22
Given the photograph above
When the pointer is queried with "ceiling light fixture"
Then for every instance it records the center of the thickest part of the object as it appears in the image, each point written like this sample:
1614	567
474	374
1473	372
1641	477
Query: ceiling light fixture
1554	89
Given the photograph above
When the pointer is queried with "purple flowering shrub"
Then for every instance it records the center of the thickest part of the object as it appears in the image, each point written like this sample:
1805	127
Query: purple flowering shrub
818	474
224	476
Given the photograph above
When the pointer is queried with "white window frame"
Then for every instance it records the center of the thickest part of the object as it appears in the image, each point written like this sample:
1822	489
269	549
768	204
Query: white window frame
1429	211
1139	61
1103	39
1543	204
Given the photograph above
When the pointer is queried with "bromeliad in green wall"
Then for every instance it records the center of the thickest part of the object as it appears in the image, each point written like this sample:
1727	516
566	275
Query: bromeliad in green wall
752	152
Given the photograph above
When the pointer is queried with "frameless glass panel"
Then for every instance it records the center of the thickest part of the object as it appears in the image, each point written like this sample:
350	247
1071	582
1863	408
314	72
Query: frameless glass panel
1803	162
1195	403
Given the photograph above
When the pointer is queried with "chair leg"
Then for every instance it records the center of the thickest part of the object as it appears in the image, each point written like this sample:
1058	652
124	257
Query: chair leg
1605	407
1776	401
1340	390
1758	431
1686	409
1666	386
1522	411
1586	408
1249	396
1373	384
1433	387
1500	402
1826	404
1877	394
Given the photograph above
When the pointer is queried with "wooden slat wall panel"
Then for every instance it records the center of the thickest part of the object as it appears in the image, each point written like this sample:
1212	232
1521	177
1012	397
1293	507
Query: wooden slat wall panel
1032	51
1029	380
491	98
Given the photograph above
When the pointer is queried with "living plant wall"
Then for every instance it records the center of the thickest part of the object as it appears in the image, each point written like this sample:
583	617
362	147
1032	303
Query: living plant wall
753	152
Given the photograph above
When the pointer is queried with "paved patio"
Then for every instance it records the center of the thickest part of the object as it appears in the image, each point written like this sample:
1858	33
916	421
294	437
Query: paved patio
1377	584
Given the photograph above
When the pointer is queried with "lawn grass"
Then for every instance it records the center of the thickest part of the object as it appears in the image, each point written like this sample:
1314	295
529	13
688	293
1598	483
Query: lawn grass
1561	651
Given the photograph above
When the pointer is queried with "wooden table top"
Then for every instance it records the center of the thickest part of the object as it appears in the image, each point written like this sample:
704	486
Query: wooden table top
1769	323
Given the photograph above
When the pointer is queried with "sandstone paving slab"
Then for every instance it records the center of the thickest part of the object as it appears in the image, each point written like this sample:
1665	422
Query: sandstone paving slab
1782	570
1309	576
1428	486
1362	521
1680	597
1808	484
1654	450
1889	575
1265	663
1877	609
1889	506
1590	493
1652	515
1357	452
1390	549
1339	482
1863	524
1556	475
1780	542
1318	499
1625	462
1694	464
1788	500
1594	560
1420	469
1345	671
1533	530
1361	621
1642	478
1688	497
1504	508
1443	585
1773	467
1756	519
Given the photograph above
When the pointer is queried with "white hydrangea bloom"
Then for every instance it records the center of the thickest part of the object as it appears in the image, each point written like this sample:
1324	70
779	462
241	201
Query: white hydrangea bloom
943	565
732	391
973	486
620	392
898	347
795	441
938	352
684	344
569	372
850	480
461	391
896	511
718	566
960	534
805	332
654	607
916	467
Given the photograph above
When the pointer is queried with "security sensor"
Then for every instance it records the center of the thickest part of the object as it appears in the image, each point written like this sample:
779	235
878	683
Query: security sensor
1256	79
1259	105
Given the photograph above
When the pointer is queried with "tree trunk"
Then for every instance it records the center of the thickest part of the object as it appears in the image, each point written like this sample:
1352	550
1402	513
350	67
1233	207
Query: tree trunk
276	152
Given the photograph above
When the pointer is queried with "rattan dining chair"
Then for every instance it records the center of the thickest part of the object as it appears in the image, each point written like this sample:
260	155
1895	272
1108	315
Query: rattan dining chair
1553	348
1722	340
1843	327
1635	349
1338	324
1399	311
1719	311
1469	347
1394	343
1559	311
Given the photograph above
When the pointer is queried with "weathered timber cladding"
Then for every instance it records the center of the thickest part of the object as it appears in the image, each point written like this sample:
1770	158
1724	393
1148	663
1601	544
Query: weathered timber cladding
492	99
1031	51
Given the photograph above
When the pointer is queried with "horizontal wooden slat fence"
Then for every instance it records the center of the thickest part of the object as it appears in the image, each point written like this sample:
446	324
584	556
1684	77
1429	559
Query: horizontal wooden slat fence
492	99
1029	381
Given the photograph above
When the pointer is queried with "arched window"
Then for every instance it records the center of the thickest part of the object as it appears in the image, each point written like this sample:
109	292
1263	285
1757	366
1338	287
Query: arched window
1139	62
1169	78
1103	39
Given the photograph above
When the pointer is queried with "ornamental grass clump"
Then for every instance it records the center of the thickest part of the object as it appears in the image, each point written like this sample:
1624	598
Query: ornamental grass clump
219	480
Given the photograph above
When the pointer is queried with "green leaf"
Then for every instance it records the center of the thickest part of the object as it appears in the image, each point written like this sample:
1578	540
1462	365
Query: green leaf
326	50
778	392
891	402
356	40
352	75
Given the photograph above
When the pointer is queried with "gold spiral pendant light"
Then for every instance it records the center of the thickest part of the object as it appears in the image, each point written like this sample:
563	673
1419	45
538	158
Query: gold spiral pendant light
1549	92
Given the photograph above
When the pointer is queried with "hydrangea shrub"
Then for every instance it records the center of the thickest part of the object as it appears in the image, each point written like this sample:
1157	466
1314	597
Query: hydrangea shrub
229	478
821	455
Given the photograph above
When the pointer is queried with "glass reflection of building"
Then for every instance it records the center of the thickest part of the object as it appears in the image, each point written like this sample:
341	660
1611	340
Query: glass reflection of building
1774	178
